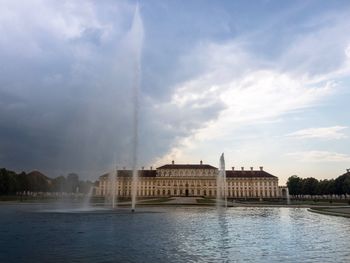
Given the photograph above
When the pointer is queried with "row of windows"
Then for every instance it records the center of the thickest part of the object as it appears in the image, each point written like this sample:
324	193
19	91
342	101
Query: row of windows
228	188
198	192
188	173
203	183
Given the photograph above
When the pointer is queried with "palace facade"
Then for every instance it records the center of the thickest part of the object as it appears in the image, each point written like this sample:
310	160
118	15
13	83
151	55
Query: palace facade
191	180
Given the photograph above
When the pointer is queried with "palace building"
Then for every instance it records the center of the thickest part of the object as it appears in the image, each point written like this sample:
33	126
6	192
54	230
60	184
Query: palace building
191	180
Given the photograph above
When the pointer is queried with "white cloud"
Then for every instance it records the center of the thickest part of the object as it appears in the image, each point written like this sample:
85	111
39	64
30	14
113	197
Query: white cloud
248	96
253	90
320	52
347	51
320	156
327	133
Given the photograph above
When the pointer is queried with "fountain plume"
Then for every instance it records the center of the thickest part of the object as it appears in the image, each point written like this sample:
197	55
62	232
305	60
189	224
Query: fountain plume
87	198
287	196
136	38
221	189
114	182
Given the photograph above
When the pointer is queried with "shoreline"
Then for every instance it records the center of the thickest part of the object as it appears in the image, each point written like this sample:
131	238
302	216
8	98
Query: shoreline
332	211
312	208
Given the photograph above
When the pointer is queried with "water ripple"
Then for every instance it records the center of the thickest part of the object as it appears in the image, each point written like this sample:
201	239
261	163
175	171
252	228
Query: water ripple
185	234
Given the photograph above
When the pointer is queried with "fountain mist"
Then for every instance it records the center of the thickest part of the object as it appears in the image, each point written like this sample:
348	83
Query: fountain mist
113	177
287	196
136	37
87	198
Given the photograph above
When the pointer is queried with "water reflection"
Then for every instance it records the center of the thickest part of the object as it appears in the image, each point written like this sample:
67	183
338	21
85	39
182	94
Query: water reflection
187	234
224	237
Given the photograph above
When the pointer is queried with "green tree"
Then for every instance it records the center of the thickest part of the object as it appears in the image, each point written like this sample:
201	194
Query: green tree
294	185
341	184
38	182
85	186
72	183
323	187
310	186
23	183
346	185
58	184
331	187
8	182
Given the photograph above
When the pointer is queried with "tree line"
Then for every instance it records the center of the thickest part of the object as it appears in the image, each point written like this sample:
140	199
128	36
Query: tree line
13	183
311	186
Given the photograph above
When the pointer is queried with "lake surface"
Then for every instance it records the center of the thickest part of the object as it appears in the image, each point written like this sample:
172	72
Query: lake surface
30	233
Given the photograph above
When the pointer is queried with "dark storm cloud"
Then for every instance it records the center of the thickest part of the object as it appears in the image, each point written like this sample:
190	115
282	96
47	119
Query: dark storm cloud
64	95
65	89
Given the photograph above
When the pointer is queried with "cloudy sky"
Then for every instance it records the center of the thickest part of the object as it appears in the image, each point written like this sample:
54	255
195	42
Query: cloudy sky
265	82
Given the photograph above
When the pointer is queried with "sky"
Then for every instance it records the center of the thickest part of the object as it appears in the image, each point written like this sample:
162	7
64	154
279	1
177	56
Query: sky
265	82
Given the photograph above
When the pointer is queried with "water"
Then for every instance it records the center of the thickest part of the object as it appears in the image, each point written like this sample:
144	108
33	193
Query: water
136	38
288	196
221	189
182	234
87	198
113	178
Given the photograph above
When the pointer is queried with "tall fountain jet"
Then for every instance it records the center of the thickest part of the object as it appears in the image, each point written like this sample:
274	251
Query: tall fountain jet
221	189
114	185
136	40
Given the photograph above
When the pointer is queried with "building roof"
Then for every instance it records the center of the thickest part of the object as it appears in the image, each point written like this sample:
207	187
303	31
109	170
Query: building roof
248	174
229	173
187	166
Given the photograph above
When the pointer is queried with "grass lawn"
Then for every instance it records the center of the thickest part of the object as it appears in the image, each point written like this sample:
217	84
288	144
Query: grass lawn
205	201
156	201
